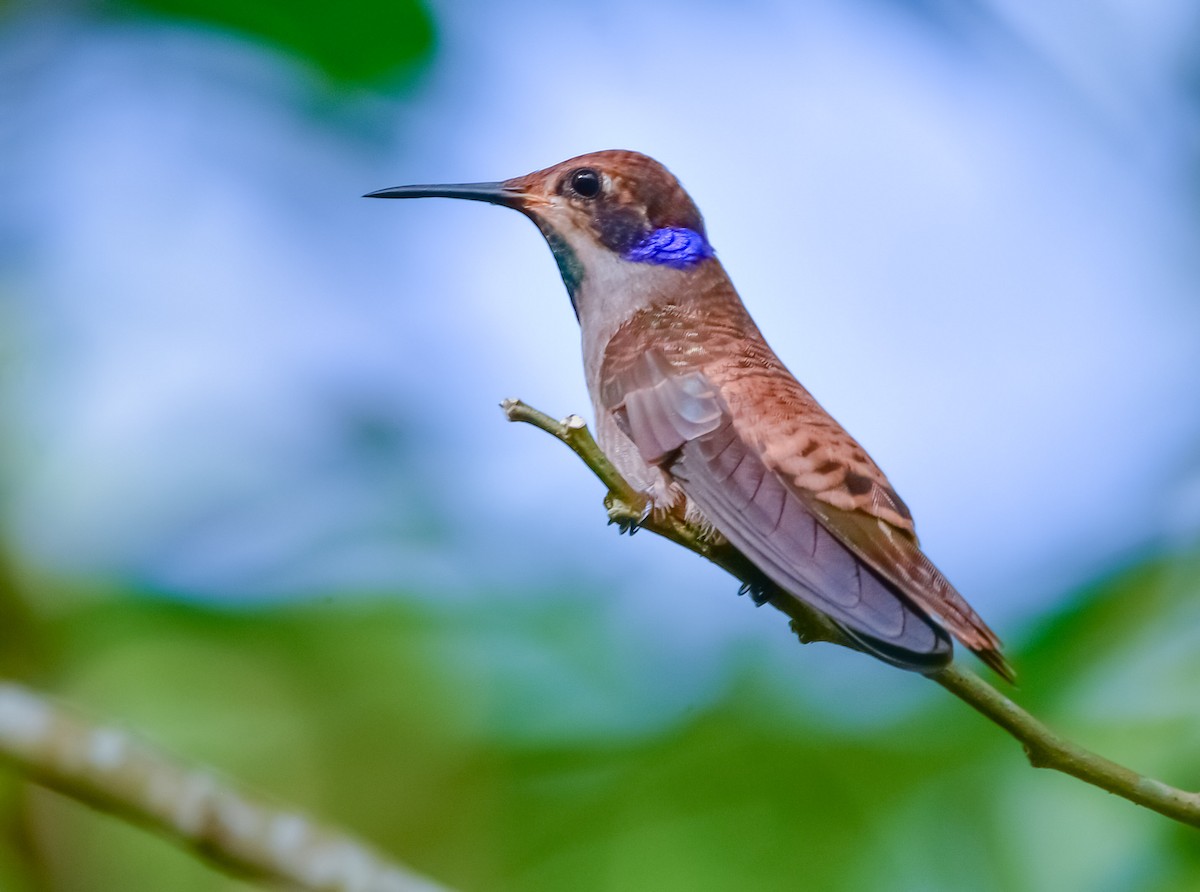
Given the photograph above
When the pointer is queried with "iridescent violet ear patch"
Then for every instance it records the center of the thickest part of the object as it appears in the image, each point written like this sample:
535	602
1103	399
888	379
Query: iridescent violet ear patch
678	248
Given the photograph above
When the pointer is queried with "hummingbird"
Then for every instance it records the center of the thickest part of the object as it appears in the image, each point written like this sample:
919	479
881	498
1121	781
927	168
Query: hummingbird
698	413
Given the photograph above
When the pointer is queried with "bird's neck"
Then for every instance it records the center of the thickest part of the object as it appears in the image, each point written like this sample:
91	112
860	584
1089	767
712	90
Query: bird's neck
613	291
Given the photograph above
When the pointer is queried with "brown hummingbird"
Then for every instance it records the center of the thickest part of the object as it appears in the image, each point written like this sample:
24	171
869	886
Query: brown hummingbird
696	410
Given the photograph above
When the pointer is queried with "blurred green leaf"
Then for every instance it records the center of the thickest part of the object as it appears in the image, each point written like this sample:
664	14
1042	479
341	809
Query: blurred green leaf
356	41
422	726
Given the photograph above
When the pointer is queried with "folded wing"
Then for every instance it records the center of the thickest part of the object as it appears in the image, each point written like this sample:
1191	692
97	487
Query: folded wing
868	575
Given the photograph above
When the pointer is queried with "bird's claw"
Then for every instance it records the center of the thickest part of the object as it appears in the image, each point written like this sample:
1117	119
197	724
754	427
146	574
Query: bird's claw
628	518
759	591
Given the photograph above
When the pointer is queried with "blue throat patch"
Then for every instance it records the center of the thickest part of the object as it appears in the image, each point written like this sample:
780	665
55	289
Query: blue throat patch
678	248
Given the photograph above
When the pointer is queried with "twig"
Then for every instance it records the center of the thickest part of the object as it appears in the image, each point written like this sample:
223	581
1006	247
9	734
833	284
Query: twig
627	507
1044	748
1047	749
110	769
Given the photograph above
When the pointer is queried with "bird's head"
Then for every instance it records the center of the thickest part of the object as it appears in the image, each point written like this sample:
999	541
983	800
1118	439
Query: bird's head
594	209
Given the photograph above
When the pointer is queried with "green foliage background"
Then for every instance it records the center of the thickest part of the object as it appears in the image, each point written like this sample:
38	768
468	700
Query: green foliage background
359	42
416	728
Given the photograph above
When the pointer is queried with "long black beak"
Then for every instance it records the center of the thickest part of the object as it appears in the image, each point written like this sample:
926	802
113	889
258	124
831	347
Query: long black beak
492	193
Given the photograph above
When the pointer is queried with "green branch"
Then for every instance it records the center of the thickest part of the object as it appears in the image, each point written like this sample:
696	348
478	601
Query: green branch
1044	747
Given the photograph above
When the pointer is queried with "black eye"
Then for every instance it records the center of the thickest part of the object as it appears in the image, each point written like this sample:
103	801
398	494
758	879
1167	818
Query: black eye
586	183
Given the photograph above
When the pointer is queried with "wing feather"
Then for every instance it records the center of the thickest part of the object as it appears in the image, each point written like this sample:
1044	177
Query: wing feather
679	421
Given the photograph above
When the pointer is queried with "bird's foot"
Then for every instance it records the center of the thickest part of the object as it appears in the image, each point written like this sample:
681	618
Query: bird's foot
759	591
628	518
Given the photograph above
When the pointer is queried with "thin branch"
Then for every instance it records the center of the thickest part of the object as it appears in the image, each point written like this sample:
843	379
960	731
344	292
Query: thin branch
627	507
1047	749
109	769
1044	747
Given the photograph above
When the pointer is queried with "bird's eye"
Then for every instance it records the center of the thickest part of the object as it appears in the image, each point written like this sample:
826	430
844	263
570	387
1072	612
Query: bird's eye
586	183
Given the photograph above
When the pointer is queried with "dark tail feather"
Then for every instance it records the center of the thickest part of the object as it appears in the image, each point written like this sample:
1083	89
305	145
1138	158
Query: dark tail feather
926	662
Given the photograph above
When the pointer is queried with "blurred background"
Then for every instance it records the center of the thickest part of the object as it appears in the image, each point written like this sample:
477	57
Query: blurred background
259	502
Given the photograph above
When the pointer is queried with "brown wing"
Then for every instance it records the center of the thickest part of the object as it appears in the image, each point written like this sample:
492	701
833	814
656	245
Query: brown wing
679	421
895	555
